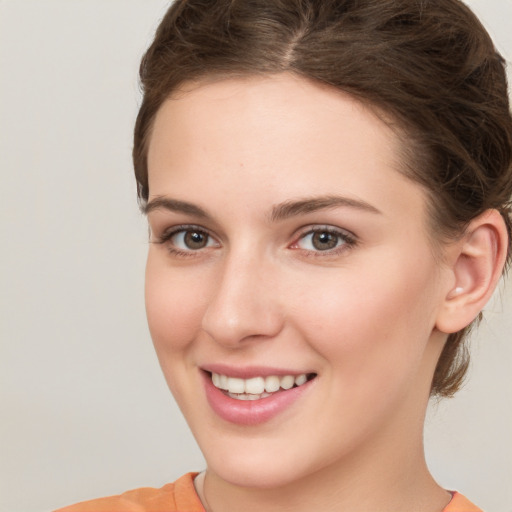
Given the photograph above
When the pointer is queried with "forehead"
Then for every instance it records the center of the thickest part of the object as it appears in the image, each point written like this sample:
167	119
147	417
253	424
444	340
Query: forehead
272	138
269	100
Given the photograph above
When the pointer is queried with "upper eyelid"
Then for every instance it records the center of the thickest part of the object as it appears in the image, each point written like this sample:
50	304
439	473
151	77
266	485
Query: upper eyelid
161	221
169	232
302	230
312	228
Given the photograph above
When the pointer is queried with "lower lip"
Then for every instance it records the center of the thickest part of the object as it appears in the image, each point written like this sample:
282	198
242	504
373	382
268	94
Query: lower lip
251	412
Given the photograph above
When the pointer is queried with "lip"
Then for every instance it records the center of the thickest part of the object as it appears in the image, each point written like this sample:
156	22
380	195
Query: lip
251	412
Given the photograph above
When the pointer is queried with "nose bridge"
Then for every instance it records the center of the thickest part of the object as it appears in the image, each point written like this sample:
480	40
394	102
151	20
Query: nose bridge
243	306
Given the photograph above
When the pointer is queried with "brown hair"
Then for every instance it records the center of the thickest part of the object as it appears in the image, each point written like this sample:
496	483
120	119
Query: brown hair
429	65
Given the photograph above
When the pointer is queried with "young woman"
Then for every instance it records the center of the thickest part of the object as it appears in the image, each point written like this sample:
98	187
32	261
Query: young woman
327	186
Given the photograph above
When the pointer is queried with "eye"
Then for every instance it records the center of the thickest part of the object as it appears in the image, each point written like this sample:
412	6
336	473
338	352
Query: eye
324	240
186	240
191	240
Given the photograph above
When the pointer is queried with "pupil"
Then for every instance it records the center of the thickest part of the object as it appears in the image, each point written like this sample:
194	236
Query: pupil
195	240
324	240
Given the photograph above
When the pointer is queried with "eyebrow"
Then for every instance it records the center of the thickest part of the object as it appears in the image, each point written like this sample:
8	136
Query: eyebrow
279	212
308	205
173	205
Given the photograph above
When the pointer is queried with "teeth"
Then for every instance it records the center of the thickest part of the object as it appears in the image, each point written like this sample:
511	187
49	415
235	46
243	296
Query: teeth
223	382
236	385
287	381
245	396
272	384
301	379
256	387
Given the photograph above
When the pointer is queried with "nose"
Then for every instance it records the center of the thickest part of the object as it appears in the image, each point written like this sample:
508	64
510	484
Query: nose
244	305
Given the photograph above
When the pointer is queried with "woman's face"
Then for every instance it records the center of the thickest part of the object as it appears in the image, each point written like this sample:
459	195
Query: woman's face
286	247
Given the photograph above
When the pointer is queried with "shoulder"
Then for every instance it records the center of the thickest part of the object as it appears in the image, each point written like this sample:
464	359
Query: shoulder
177	496
460	503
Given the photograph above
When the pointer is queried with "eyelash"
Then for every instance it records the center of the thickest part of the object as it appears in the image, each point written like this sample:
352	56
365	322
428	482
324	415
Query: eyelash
168	235
347	239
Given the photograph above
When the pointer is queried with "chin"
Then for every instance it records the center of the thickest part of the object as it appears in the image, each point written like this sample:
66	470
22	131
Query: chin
248	475
253	464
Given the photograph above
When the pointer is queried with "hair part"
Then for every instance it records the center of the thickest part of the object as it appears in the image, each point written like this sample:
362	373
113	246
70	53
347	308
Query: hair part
427	65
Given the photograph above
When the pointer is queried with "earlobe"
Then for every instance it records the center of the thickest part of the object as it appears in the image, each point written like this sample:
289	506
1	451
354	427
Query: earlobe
476	267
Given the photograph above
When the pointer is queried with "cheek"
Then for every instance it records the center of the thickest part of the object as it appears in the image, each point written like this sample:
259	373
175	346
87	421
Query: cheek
371	316
174	311
173	305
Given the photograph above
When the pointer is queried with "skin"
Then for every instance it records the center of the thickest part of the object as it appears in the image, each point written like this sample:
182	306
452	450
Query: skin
362	316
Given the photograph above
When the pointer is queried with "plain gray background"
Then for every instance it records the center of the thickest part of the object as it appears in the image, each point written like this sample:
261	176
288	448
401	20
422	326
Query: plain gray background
84	409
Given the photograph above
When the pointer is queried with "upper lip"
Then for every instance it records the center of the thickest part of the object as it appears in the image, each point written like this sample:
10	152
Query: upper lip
248	372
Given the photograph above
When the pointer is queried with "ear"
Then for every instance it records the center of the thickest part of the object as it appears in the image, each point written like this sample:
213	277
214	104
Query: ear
475	266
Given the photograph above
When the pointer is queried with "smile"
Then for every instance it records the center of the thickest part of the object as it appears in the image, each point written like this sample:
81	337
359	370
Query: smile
253	397
256	388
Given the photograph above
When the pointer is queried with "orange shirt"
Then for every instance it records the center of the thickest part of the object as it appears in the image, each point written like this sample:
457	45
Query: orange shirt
181	496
